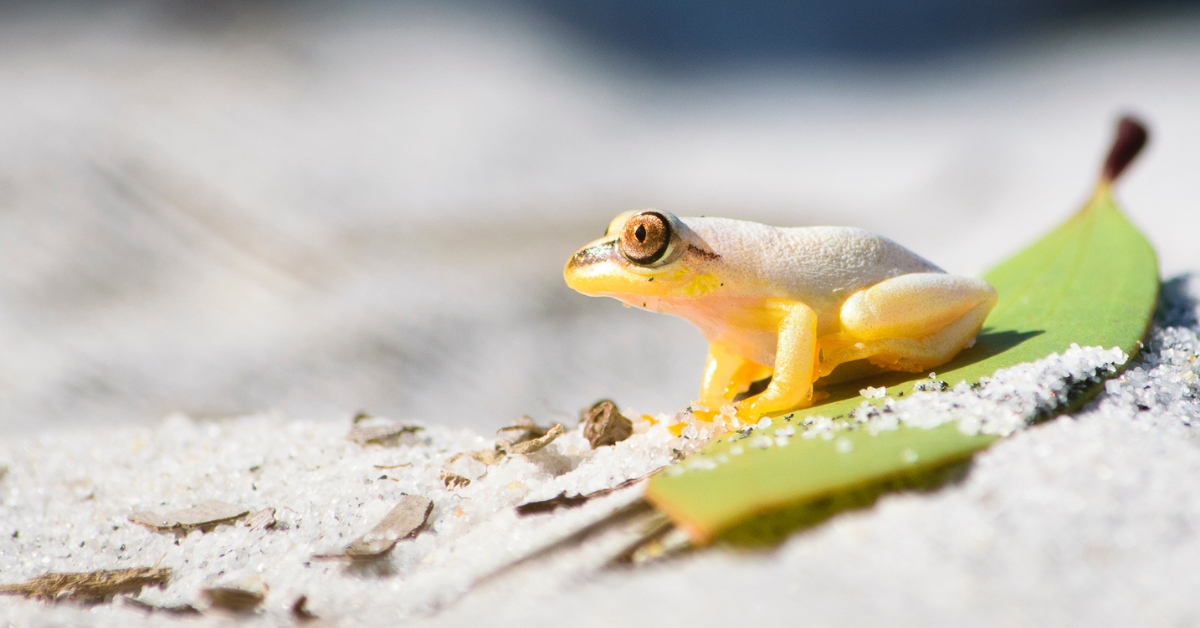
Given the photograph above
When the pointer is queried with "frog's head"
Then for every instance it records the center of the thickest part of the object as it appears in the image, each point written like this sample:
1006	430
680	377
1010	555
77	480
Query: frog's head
646	253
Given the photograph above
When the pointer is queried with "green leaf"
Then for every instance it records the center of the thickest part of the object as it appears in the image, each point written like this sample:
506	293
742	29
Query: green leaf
1093	281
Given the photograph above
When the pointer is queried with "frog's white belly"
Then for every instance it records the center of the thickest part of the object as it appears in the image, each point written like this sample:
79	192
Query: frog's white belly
755	344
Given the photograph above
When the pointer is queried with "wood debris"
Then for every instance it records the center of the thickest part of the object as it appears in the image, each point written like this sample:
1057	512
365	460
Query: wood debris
453	480
403	521
550	505
486	456
91	587
205	516
300	610
523	429
562	500
262	520
535	439
145	607
530	446
604	425
385	434
243	596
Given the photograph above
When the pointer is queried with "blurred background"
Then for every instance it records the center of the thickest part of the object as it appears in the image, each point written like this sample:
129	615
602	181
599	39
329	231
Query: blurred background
319	208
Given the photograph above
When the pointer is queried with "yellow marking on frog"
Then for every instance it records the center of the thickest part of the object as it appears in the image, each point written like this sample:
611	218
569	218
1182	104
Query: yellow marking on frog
701	285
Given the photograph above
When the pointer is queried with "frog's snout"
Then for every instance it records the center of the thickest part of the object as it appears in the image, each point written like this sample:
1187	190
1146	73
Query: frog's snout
576	265
587	270
590	255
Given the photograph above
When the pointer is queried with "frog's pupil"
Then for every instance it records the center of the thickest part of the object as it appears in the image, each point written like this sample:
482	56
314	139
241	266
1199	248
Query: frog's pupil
640	233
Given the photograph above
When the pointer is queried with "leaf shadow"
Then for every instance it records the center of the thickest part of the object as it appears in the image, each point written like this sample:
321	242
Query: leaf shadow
848	379
1176	305
988	344
768	531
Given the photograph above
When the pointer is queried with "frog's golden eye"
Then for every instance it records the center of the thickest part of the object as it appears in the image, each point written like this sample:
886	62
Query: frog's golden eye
645	238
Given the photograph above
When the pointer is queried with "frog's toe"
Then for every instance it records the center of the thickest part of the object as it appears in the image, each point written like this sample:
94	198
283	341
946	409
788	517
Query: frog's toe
752	409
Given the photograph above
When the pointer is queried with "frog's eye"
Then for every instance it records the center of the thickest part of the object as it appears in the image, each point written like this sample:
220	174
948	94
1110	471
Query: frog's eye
645	238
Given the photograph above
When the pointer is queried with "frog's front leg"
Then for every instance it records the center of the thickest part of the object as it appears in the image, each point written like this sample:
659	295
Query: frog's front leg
795	365
725	375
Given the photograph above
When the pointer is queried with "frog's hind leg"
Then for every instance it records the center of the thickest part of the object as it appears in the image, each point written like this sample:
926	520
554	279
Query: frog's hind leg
909	323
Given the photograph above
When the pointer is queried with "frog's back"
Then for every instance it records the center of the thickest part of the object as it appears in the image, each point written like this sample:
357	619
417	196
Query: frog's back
818	265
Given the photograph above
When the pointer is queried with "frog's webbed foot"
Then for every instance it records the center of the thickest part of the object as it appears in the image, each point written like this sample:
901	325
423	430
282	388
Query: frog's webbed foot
753	408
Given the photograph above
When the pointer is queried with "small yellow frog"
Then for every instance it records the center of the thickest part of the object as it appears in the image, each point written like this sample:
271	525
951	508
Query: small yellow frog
786	303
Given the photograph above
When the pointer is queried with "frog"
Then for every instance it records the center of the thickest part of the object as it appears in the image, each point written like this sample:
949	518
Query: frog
782	308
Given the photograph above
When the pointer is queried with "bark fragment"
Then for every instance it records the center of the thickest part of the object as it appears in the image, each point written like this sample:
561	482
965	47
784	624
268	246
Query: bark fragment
92	587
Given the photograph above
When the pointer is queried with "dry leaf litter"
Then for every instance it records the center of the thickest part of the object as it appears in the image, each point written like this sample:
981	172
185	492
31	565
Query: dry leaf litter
403	521
205	516
287	493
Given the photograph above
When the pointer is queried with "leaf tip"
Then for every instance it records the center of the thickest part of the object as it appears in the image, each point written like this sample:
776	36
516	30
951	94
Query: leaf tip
1131	139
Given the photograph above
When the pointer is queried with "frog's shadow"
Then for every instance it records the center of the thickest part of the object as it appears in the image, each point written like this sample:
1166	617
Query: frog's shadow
991	343
847	380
